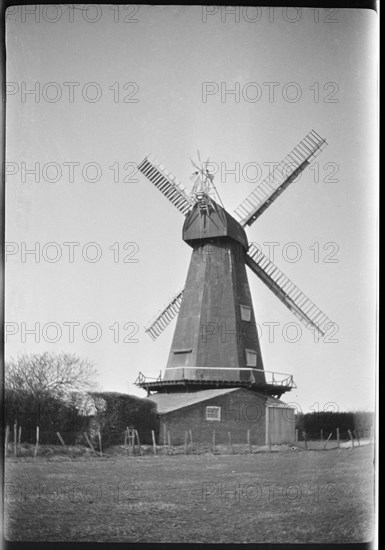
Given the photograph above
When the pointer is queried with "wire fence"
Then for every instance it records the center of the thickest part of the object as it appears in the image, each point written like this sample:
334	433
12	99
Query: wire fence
91	444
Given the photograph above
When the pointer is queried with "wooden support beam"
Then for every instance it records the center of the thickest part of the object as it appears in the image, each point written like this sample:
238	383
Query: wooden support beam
90	444
326	442
61	439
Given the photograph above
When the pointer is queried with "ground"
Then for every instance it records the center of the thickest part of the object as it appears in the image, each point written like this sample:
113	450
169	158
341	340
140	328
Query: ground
292	496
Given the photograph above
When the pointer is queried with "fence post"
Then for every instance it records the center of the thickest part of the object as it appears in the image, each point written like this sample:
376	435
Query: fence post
248	441
132	440
15	438
129	442
338	437
169	441
296	436
185	442
164	438
356	436
351	438
37	441
6	439
138	440
305	439
230	444
100	442
322	435
191	439
153	441
214	441
19	441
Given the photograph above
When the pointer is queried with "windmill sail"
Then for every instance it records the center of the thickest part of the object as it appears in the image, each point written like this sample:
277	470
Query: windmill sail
303	308
283	174
165	316
166	183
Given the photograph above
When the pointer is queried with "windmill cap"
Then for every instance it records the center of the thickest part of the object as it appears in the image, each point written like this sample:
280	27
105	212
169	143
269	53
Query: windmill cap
214	224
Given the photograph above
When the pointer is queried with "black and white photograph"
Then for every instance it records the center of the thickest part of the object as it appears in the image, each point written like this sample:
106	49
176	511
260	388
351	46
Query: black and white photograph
190	274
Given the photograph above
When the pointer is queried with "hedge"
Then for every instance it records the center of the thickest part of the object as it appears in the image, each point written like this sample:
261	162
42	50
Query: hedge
312	423
113	412
117	411
46	411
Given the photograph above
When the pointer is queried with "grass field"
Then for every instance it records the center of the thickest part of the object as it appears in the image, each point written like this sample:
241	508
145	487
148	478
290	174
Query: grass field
279	497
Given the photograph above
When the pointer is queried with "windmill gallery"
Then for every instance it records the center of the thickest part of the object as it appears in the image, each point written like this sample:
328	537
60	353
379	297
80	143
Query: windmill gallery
215	376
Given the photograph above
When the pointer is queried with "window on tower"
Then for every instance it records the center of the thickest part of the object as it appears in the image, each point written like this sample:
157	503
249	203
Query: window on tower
213	413
251	358
245	313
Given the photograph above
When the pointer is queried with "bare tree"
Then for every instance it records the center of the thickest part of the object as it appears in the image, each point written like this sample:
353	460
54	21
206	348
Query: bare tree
59	375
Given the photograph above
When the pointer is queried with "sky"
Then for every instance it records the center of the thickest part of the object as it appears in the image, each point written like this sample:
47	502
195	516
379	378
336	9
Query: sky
115	83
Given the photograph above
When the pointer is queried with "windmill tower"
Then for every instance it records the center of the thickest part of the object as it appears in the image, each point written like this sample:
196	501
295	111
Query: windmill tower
215	343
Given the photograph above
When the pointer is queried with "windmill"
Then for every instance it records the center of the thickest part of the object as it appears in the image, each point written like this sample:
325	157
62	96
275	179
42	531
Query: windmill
215	343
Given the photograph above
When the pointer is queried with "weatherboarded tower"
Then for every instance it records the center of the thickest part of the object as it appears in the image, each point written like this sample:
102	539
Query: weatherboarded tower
215	336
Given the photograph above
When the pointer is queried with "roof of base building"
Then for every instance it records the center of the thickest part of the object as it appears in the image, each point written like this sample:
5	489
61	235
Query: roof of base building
168	402
273	401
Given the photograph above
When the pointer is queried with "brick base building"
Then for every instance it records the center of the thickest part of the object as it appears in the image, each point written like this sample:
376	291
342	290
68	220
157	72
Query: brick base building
234	410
